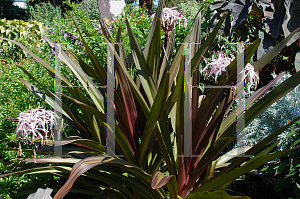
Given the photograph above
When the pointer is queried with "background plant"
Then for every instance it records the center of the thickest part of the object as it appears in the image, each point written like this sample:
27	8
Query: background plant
18	100
27	33
44	13
280	113
269	20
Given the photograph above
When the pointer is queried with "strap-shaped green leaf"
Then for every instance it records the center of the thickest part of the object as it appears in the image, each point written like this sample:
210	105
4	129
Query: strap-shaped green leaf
154	52
249	101
88	163
250	114
49	68
84	79
179	127
120	138
135	89
214	96
168	52
158	15
144	71
217	181
155	114
207	44
267	140
86	68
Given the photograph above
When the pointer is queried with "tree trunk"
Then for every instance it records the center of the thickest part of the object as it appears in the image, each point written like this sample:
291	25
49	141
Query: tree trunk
104	7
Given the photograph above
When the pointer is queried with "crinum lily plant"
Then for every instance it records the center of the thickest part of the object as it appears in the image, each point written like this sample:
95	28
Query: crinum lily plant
149	159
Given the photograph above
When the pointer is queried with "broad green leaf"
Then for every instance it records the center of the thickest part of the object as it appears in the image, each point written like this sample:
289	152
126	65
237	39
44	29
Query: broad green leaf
272	53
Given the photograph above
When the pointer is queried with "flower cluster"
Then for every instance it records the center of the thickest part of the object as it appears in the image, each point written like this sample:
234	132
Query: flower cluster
36	123
170	17
251	75
219	65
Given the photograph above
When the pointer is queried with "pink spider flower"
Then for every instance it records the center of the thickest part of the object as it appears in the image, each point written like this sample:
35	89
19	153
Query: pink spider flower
36	123
251	75
219	65
170	17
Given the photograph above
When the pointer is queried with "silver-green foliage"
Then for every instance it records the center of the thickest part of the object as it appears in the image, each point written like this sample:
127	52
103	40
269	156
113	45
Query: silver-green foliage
276	116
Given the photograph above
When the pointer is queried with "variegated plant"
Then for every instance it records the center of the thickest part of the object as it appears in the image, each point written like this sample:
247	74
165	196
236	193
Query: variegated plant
149	124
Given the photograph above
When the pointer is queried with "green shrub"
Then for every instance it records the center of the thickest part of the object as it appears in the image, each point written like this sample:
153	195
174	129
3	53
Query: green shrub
44	13
91	6
27	33
14	96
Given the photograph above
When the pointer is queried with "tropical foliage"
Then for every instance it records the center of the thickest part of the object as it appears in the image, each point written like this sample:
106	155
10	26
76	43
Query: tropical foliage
269	20
150	159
